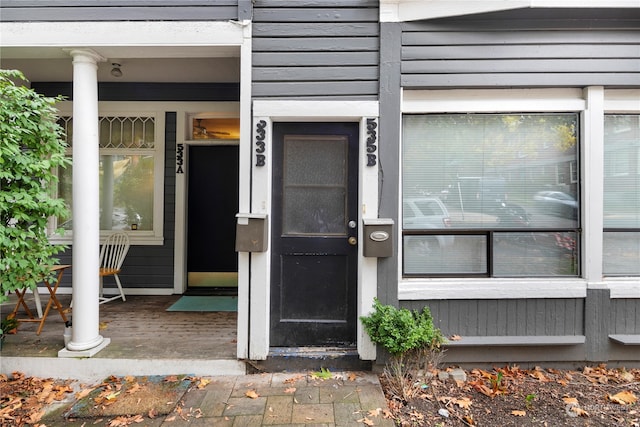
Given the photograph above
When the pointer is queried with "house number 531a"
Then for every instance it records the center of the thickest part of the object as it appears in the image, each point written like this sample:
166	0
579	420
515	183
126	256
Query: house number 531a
180	158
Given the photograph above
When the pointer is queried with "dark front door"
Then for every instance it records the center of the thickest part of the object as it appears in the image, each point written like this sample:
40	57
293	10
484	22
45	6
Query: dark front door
212	262
314	264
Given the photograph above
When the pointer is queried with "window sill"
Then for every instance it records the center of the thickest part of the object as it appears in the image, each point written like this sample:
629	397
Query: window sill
624	287
437	289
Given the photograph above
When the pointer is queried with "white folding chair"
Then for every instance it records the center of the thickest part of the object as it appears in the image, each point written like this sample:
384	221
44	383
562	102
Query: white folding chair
112	255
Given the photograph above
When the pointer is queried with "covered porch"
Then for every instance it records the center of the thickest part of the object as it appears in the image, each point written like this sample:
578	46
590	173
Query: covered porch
145	339
166	74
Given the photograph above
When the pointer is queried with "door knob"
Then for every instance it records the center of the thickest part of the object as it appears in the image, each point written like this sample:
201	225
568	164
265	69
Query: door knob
352	241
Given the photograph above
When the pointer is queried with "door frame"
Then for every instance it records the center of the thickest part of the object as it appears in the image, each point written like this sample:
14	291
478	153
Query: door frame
208	109
265	113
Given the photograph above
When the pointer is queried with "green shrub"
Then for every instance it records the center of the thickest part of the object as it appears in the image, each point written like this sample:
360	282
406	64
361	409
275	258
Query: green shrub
31	149
400	330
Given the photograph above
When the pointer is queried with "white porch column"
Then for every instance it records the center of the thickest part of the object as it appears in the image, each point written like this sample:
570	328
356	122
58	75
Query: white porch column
85	338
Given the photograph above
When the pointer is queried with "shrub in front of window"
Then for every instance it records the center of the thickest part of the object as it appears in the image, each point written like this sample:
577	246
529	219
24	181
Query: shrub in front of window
411	339
400	330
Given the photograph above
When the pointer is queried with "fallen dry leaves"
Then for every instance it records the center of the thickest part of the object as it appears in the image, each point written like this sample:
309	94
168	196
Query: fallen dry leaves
252	394
623	398
510	395
202	383
22	399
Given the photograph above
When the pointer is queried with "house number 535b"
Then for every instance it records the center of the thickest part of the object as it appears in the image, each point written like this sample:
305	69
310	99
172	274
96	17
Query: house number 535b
372	141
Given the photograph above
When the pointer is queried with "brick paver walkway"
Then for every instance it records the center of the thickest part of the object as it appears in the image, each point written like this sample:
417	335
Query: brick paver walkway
278	399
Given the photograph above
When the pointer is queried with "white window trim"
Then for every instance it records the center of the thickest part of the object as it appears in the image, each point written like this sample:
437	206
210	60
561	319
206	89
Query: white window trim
586	102
135	109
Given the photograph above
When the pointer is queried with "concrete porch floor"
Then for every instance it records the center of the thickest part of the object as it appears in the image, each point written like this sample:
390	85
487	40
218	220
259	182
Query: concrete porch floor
145	340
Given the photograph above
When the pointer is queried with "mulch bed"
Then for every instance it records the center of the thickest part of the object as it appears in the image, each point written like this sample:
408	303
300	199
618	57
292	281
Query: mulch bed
510	396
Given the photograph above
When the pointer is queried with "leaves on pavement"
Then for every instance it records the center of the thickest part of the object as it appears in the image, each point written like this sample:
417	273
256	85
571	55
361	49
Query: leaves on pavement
251	394
22	398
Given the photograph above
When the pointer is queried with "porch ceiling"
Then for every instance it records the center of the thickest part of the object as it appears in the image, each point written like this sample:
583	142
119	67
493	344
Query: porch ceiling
219	64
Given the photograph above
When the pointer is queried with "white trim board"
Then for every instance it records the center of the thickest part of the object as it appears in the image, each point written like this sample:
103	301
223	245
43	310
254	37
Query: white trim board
624	288
315	110
154	39
492	100
415	10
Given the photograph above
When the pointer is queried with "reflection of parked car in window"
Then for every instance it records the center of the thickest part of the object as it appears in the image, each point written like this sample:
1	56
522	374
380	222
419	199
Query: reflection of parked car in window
511	215
557	203
426	213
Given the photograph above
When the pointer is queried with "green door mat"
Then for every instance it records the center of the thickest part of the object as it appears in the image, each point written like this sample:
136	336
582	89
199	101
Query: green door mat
205	303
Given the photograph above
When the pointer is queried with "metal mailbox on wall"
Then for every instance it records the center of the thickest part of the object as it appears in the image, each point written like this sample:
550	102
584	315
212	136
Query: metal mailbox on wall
251	232
378	237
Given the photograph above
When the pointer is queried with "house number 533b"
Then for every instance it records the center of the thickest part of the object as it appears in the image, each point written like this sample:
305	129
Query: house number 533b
260	144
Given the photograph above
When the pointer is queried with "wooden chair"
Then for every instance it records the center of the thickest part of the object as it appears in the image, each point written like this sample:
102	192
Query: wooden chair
112	255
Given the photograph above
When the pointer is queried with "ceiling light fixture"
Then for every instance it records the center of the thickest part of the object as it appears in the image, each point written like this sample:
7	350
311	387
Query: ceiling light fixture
116	71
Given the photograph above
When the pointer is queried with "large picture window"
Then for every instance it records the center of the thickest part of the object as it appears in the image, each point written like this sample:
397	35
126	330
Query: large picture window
621	243
127	168
490	195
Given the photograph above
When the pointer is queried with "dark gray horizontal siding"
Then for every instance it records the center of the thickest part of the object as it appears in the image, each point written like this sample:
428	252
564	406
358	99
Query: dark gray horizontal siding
512	317
275	74
273	11
515	65
118	10
289	61
315	49
336	29
625	316
541	49
499	52
323	89
528	37
320	44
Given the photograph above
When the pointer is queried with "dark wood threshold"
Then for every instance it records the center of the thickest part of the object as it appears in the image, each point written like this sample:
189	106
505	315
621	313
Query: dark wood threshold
310	359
